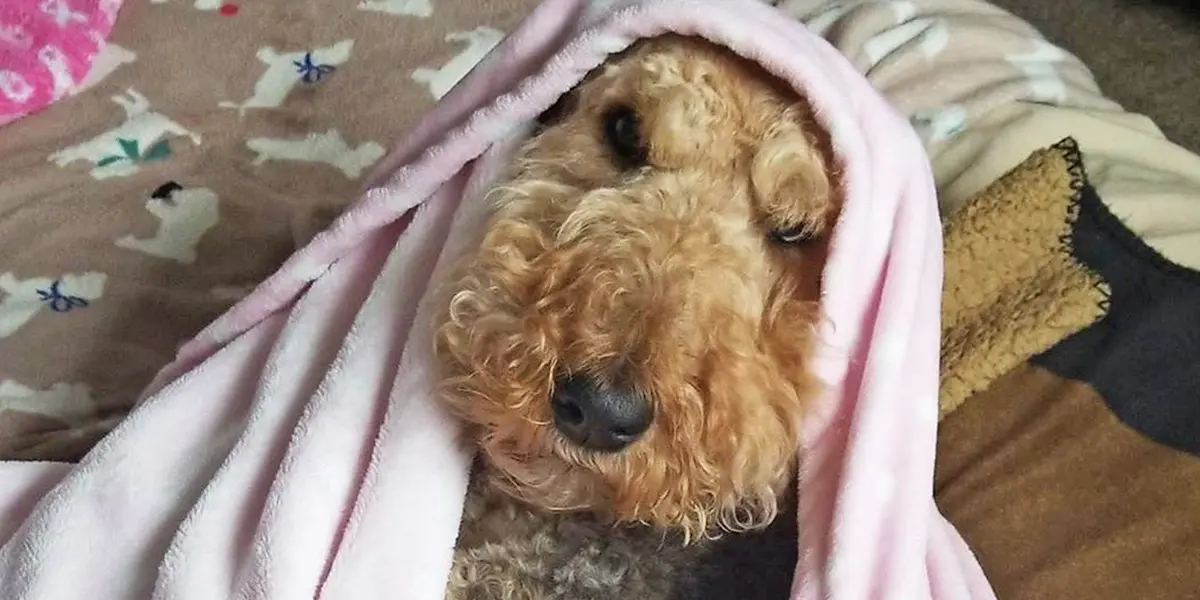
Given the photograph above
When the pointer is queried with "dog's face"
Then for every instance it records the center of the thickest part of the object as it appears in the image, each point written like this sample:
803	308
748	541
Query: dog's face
632	335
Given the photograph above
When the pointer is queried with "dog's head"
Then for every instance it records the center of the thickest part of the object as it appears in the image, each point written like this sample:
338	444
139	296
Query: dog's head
633	333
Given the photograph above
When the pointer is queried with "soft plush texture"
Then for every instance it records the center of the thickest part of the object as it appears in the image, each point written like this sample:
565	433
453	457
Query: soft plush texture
1013	286
47	48
296	449
155	267
244	150
1093	444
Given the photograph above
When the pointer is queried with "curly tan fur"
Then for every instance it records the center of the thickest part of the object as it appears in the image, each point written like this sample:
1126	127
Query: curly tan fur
665	276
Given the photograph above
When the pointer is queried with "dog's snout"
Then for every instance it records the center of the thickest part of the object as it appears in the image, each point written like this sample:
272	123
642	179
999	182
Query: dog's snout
604	418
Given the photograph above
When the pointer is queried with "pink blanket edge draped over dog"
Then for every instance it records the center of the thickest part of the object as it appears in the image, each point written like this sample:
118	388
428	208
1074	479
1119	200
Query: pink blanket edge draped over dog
294	449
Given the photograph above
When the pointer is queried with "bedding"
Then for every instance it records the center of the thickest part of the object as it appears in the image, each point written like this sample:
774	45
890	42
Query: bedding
320	386
220	159
215	169
1075	472
47	49
1014	286
213	141
1027	452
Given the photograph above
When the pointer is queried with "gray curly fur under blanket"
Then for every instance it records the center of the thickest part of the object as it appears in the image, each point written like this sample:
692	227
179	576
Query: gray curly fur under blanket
558	556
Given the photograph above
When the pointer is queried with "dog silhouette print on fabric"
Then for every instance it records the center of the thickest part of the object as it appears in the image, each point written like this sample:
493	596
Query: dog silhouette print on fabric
479	42
110	58
184	216
328	147
119	152
286	70
205	5
1045	84
405	8
68	402
23	299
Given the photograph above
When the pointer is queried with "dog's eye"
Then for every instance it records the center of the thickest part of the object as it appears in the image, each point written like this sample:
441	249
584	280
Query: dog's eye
622	133
794	235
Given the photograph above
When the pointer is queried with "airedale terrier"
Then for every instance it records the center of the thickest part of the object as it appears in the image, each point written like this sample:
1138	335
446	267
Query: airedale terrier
628	346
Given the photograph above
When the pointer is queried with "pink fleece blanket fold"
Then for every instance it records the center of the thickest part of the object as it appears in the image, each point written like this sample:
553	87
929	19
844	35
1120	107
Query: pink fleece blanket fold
295	448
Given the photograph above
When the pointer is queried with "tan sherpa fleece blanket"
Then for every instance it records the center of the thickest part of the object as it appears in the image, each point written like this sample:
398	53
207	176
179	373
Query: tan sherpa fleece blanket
1013	285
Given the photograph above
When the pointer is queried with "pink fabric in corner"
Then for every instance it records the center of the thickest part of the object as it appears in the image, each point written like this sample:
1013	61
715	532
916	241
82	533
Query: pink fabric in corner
47	48
296	448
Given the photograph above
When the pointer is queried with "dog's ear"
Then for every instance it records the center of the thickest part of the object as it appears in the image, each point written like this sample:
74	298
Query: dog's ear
790	178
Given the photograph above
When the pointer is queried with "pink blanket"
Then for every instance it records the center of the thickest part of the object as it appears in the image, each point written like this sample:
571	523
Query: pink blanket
47	48
295	448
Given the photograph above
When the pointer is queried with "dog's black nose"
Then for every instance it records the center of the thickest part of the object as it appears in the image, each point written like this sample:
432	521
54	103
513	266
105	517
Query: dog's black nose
599	417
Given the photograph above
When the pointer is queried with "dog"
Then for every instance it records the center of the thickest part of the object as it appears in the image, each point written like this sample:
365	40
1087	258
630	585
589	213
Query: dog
628	346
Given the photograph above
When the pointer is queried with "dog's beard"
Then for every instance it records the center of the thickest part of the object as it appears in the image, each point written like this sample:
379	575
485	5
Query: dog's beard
559	477
541	478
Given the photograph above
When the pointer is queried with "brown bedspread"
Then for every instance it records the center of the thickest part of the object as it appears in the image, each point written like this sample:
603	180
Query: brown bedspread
216	138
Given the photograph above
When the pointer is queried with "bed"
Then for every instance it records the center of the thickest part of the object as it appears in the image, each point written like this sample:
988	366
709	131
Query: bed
214	138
